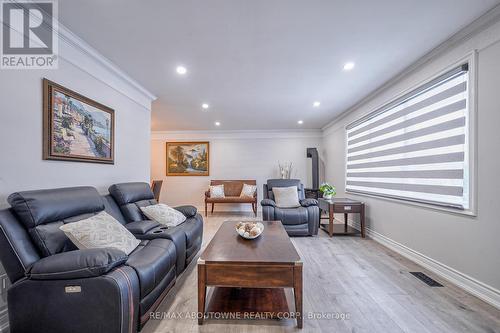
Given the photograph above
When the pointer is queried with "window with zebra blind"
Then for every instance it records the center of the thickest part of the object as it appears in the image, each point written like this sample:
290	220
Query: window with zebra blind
415	148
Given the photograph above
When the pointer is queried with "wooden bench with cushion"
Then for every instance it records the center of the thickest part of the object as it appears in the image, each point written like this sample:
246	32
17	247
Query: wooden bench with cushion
232	191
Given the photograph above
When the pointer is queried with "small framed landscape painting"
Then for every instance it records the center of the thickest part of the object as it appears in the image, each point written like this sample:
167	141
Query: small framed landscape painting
188	158
76	128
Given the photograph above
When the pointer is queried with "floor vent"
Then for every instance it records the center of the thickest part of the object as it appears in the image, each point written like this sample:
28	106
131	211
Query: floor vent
427	279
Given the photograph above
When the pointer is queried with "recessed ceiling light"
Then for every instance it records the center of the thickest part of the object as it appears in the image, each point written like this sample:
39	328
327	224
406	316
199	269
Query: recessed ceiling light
348	66
300	122
205	106
217	123
316	104
181	70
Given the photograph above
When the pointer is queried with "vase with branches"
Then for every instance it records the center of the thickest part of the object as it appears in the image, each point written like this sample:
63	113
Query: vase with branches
285	170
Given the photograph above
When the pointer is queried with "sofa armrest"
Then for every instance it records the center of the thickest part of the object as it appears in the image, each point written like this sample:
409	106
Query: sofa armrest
268	202
141	227
111	300
308	202
178	237
187	210
77	264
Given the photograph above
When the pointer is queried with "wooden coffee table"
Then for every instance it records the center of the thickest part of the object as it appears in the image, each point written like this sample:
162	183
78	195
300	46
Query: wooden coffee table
250	275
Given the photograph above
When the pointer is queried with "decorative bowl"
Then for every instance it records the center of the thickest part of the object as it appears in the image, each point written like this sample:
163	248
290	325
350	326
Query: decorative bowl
249	230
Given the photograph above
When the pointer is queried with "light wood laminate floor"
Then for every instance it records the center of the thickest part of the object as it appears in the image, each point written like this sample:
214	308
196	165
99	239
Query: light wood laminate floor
342	275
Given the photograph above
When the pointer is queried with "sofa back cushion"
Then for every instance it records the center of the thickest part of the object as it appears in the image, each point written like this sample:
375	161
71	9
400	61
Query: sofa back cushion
113	209
232	188
283	183
131	197
42	212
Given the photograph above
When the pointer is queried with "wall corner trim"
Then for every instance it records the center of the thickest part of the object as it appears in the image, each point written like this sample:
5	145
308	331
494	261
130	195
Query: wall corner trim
477	288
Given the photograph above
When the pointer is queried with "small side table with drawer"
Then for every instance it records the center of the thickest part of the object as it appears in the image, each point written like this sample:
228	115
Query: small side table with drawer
346	206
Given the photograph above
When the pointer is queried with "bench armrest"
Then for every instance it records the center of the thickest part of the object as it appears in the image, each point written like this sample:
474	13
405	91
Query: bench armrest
77	264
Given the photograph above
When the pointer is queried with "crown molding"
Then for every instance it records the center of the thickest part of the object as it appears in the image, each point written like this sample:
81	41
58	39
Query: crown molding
479	25
79	53
75	50
235	134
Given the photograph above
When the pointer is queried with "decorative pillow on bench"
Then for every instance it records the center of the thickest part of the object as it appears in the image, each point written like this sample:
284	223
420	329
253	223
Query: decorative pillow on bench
164	214
100	231
217	191
248	191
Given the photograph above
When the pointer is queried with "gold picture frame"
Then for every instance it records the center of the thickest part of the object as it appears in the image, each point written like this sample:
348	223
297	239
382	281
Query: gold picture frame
191	158
76	128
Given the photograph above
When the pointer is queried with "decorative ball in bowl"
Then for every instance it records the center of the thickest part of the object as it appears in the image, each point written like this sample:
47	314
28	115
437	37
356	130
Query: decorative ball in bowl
249	230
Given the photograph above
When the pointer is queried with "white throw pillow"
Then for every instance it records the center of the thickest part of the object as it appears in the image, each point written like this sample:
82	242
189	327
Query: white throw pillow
164	214
286	197
217	191
248	191
100	231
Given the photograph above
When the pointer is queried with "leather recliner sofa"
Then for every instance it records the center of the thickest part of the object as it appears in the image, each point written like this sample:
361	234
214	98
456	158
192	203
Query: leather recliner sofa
58	288
298	221
187	236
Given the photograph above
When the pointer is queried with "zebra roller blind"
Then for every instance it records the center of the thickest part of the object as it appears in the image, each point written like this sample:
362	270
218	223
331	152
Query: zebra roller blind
415	148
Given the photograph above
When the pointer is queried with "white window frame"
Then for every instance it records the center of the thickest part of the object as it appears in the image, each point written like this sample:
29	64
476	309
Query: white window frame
471	139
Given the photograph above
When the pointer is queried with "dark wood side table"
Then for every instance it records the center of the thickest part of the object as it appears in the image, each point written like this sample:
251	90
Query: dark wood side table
346	206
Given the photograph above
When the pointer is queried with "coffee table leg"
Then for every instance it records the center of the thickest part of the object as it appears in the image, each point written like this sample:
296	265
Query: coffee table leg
202	291
297	292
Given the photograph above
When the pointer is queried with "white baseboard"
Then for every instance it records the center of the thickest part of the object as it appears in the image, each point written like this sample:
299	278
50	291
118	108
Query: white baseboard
477	288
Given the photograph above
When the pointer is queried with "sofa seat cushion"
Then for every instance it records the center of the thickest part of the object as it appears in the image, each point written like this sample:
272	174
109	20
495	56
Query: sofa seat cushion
231	199
296	215
152	260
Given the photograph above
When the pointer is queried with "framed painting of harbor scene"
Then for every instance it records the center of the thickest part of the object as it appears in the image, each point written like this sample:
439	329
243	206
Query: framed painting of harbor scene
75	127
188	158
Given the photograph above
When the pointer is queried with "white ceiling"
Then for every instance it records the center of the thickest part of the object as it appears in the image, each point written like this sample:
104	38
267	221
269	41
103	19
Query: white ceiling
260	64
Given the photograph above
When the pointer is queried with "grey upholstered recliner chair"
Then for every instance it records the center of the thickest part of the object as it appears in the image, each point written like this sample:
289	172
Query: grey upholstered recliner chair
298	221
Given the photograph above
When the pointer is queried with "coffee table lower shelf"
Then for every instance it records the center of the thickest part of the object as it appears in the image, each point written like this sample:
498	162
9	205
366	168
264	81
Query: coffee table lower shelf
248	303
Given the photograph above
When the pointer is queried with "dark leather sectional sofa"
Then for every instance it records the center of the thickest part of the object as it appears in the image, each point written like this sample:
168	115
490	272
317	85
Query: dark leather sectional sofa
58	288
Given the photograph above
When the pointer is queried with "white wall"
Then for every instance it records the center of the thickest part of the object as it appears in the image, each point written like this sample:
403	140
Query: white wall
233	155
22	166
463	246
83	70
